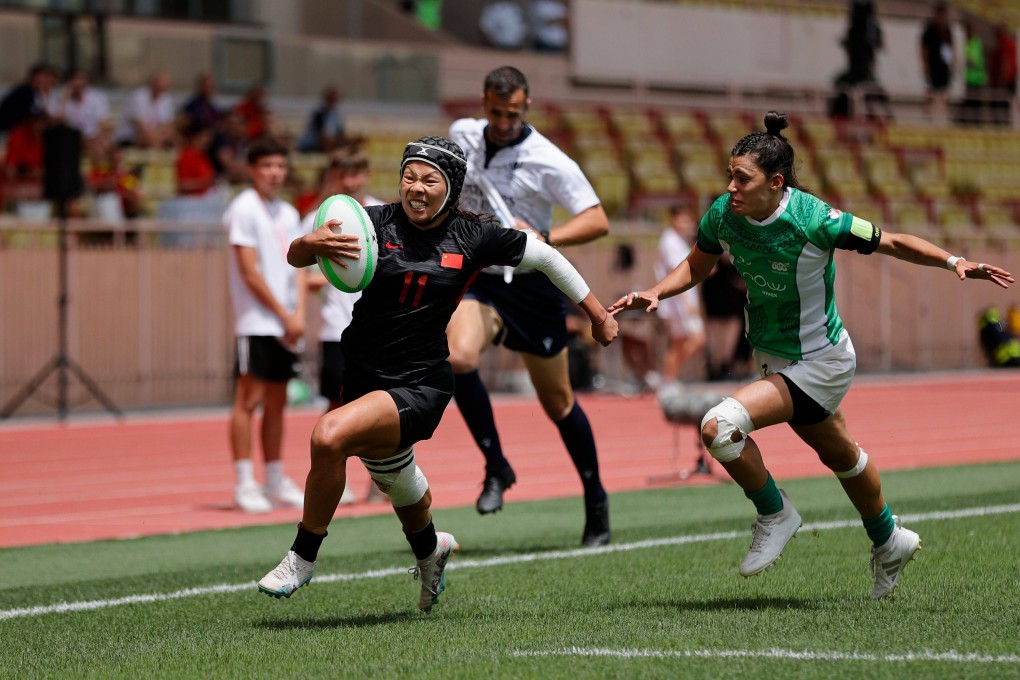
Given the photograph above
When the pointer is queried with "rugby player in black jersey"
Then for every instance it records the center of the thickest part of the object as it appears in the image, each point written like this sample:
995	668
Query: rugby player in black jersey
397	380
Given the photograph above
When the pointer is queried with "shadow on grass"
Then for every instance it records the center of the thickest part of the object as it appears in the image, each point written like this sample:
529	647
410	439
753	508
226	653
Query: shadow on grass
339	621
734	603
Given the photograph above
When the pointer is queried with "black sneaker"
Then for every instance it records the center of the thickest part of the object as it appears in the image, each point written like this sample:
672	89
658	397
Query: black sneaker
491	498
596	524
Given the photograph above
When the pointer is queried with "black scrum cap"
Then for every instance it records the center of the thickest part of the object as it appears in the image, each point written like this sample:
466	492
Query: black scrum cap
444	155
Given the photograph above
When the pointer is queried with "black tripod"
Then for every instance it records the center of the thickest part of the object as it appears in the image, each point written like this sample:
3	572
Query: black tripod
62	181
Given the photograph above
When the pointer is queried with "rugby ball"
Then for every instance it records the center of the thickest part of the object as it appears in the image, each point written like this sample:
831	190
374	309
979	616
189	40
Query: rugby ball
353	220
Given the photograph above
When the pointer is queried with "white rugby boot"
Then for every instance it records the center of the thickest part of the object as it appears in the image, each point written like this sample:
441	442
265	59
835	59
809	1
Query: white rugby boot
430	571
285	494
292	573
348	497
890	559
250	499
771	534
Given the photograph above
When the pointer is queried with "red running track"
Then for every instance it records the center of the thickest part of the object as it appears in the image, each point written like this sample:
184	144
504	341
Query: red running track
96	479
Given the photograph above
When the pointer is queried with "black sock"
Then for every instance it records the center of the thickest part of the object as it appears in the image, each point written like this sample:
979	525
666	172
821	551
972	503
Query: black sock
577	435
423	542
306	544
473	401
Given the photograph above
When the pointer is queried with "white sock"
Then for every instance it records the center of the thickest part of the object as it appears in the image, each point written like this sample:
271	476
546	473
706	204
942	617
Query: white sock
244	472
274	473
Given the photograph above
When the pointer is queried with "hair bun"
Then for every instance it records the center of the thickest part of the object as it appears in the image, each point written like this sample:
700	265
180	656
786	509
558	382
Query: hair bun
775	122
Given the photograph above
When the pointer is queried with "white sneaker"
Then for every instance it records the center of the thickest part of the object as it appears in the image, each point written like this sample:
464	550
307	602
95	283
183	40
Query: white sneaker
771	534
430	570
375	494
890	559
286	494
249	498
292	573
348	497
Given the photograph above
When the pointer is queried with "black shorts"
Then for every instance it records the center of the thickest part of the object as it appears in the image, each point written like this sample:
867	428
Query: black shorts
533	311
420	404
265	358
331	370
806	411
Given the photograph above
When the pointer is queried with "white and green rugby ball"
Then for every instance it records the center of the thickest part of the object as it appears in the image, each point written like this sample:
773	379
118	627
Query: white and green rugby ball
353	220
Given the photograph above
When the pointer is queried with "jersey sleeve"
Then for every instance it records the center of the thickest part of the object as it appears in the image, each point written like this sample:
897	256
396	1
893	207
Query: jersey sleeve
708	230
495	245
849	232
241	227
567	185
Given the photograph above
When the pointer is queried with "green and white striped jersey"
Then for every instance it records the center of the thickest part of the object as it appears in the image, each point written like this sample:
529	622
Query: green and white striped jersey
787	263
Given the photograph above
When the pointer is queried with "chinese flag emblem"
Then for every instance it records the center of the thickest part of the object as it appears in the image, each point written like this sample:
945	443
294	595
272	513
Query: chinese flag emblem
452	260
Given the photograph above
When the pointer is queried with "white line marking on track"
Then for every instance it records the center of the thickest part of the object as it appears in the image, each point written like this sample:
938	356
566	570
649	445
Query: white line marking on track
960	657
68	607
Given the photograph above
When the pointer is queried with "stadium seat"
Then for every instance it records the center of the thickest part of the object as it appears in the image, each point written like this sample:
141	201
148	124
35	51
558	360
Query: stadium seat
682	126
912	218
956	223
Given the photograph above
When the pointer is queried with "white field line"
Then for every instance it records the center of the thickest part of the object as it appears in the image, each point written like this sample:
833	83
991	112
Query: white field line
88	605
952	656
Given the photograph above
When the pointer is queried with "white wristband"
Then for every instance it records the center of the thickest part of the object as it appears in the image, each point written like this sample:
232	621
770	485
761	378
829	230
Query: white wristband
951	262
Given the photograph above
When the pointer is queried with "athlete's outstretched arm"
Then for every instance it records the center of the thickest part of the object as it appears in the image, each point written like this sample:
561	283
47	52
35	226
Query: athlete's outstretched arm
919	251
689	273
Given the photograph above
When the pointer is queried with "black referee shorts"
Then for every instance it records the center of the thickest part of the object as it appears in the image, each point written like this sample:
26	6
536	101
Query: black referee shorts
533	310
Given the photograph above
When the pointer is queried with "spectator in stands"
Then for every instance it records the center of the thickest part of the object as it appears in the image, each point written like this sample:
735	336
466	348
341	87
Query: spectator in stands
80	106
201	108
548	20
28	98
636	332
975	73
1002	74
229	149
859	83
148	118
782	240
504	25
23	162
195	172
938	61
115	187
681	314
724	294
254	111
268	298
862	41
325	131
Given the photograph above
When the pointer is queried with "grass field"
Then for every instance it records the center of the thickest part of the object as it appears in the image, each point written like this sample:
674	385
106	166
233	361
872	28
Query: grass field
664	600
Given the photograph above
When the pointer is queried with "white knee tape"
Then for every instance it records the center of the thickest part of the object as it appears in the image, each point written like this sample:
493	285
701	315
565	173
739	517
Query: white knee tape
399	478
731	417
862	462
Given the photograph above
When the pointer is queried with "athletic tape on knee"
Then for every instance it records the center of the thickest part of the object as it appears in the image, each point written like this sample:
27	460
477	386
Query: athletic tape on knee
731	418
399	478
862	462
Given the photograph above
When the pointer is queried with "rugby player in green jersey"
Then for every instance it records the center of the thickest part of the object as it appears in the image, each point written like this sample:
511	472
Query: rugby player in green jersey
782	239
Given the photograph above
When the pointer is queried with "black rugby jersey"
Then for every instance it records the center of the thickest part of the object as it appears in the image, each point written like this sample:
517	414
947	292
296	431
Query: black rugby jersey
398	329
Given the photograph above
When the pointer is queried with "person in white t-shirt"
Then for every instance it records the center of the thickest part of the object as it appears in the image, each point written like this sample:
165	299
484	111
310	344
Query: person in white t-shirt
80	106
268	299
148	119
681	313
347	173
